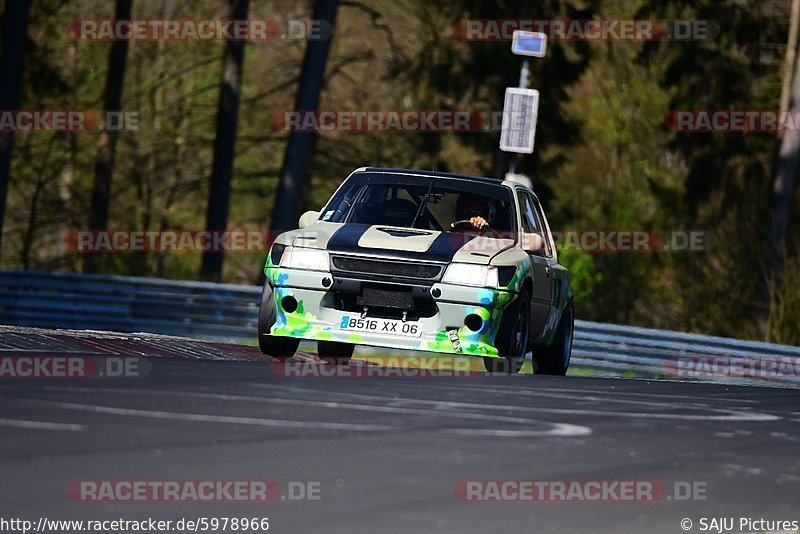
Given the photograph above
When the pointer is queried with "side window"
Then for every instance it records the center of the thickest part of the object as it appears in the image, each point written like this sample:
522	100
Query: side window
533	220
548	243
528	217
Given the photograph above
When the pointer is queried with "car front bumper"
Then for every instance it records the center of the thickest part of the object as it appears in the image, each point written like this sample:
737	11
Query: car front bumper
316	317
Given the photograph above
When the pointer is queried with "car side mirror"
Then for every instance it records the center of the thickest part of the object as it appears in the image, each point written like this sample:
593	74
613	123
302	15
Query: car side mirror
532	243
308	218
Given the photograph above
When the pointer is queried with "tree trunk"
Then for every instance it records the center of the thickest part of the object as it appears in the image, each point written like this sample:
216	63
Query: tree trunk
14	26
783	188
219	192
298	152
107	146
791	51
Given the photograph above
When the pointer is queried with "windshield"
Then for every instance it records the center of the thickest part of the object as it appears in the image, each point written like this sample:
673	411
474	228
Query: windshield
428	204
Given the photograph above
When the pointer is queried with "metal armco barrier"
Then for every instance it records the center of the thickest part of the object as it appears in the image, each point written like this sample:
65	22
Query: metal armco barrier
229	312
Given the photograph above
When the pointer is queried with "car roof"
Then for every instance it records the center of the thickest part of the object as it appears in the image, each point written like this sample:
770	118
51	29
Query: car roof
438	174
510	183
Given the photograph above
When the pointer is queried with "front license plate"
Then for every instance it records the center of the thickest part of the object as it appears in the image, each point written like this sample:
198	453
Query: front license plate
391	327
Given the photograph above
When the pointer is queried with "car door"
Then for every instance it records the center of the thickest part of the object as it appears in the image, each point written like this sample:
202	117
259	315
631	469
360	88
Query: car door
558	273
542	297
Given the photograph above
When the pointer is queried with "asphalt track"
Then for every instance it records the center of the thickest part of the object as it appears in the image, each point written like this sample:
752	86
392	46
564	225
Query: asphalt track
386	453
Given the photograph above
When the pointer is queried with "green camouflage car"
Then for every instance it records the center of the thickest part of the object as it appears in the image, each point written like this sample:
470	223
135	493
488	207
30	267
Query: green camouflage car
425	261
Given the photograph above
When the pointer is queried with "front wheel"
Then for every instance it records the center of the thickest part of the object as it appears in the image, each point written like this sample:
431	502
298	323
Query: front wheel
554	360
275	346
512	338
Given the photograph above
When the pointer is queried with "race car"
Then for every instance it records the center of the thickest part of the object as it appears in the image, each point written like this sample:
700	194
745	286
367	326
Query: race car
426	261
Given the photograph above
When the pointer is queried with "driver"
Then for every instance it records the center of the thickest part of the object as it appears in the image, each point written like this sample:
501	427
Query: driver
476	210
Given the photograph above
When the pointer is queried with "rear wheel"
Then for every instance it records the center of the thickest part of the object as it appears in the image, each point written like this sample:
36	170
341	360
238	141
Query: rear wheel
512	338
554	360
275	346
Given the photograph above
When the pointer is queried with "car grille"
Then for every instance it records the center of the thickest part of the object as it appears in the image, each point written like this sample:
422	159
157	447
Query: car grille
386	298
418	271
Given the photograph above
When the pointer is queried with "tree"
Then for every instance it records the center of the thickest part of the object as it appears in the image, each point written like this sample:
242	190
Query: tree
787	164
107	146
449	73
727	186
783	189
294	174
791	52
219	193
15	31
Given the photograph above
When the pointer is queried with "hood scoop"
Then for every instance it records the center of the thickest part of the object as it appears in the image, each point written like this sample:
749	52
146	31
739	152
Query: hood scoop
404	232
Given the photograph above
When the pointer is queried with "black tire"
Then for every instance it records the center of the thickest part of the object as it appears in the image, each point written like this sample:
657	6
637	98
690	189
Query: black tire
554	360
276	346
512	338
334	352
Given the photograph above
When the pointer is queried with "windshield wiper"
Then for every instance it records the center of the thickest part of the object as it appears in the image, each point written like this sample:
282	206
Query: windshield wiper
423	203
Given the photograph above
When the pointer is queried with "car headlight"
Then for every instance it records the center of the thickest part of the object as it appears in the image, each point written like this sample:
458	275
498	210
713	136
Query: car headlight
468	274
308	259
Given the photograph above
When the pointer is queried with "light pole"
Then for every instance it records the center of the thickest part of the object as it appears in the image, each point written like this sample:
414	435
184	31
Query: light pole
521	106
